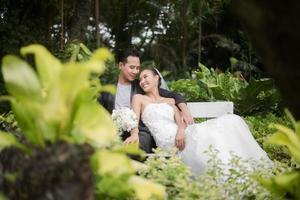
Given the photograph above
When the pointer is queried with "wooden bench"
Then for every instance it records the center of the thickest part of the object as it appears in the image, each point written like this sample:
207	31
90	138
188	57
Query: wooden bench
207	110
210	109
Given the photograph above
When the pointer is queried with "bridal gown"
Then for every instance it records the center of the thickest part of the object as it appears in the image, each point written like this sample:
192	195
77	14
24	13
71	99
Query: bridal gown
228	133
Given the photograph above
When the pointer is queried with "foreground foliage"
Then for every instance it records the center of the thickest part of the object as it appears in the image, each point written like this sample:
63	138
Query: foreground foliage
55	107
242	183
287	184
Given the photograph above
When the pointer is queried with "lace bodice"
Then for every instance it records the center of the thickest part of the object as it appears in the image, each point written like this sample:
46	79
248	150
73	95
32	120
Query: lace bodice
159	118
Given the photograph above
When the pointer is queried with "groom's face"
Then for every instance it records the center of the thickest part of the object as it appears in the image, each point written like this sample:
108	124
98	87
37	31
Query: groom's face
130	69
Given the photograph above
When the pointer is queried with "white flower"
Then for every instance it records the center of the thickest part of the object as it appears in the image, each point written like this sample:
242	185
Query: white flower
125	119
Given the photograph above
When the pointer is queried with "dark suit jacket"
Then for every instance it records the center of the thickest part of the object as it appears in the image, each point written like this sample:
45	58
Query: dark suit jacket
107	100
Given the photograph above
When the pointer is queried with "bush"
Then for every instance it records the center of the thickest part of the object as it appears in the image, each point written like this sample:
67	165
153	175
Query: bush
259	125
239	182
210	85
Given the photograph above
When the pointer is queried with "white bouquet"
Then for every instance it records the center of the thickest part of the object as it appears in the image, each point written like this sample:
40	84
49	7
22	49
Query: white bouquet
125	119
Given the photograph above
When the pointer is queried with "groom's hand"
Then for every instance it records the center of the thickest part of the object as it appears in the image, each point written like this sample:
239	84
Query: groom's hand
180	139
187	118
185	114
133	138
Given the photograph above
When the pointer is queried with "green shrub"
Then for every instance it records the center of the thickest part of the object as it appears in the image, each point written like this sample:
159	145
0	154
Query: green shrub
8	122
189	89
239	182
212	85
259	126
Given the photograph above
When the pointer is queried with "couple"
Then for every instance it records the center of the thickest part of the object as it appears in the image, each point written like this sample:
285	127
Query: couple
227	134
127	85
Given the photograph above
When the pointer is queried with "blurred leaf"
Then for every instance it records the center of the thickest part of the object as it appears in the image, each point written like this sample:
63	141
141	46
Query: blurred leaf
145	189
105	162
102	54
9	140
286	136
285	183
93	122
47	65
20	79
26	115
130	149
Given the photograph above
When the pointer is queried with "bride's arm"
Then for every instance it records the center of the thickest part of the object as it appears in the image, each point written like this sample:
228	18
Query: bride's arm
180	135
136	105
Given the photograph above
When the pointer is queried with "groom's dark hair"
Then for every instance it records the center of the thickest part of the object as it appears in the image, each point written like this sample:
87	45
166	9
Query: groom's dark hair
128	52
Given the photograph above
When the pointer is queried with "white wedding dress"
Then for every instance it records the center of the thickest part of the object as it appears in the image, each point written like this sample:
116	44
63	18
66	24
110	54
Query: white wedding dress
228	133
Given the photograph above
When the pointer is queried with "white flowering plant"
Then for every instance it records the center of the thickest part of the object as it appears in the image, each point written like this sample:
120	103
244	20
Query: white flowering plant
125	119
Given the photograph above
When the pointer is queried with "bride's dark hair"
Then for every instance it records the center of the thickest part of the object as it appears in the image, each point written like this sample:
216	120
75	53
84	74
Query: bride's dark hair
154	72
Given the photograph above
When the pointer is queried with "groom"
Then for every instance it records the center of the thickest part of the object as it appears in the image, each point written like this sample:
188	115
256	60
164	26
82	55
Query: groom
127	85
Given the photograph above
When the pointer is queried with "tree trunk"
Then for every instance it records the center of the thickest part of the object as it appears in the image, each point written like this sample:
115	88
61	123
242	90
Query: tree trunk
200	30
275	28
184	36
62	25
122	33
97	22
80	19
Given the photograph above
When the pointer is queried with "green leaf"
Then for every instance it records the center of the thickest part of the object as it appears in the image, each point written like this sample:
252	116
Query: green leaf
105	162
130	149
296	125
93	121
26	114
146	189
108	88
284	183
20	79
85	49
47	65
102	54
293	137
9	140
287	137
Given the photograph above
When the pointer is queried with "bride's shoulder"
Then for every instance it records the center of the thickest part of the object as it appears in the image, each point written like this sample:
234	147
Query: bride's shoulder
137	97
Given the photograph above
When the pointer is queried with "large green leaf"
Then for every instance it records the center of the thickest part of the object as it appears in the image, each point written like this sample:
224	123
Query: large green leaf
26	114
249	99
92	121
284	183
47	65
106	162
20	79
285	136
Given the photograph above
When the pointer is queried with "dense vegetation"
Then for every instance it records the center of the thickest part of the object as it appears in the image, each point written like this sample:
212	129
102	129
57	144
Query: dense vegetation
208	50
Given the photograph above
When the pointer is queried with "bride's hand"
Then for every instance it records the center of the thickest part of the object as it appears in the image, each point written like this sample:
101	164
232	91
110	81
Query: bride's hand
133	138
180	139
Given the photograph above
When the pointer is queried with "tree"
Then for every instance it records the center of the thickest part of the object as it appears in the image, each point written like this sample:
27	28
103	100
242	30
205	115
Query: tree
275	30
80	19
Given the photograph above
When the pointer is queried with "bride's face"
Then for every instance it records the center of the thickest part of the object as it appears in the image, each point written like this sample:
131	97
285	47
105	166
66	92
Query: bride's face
148	81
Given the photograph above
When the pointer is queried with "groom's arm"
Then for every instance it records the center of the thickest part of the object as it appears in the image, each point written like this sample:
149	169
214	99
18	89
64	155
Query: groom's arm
180	103
169	94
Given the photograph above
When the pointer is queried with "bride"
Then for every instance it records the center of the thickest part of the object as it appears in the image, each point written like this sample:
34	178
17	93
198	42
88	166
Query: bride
228	133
